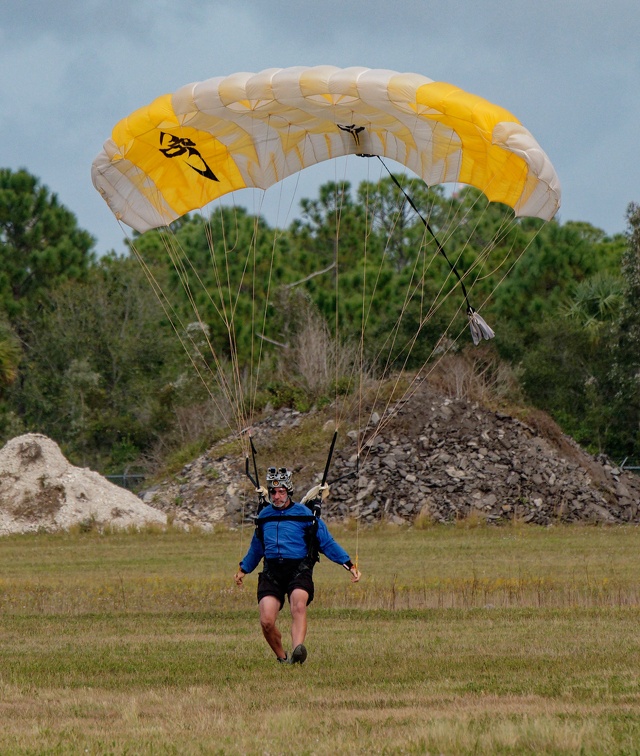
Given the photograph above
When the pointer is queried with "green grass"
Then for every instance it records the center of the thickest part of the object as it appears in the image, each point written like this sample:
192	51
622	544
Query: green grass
486	640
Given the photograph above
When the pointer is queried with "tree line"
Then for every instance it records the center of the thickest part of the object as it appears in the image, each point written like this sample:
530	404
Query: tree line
91	356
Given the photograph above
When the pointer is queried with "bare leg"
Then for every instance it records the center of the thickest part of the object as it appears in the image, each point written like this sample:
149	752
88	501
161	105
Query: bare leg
269	609
298	601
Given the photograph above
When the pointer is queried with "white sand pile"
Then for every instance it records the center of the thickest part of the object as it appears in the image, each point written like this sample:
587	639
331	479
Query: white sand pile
40	490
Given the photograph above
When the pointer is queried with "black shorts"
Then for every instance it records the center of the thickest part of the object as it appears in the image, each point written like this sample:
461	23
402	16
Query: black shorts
280	580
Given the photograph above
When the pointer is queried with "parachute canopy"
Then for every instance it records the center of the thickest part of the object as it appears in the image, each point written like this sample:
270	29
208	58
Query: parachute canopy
253	129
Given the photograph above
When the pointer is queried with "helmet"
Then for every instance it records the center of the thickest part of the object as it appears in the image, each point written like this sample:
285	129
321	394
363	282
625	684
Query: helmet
279	478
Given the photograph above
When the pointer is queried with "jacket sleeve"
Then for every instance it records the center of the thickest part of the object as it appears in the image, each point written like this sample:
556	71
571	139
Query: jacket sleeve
329	546
253	556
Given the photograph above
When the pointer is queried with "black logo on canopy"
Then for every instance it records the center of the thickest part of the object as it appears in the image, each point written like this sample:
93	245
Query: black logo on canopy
174	146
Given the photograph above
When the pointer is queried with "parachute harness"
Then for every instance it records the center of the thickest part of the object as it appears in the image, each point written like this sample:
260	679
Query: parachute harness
314	498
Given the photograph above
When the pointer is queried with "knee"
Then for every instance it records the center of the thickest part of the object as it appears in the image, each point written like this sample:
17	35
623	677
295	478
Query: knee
299	600
267	624
299	608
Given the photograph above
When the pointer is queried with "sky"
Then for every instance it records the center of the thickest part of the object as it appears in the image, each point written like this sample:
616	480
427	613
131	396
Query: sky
568	69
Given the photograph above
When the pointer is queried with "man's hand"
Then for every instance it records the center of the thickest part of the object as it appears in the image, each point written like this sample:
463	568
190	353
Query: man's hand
262	491
355	574
238	577
324	491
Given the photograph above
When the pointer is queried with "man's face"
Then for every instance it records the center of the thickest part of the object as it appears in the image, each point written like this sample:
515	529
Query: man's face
279	496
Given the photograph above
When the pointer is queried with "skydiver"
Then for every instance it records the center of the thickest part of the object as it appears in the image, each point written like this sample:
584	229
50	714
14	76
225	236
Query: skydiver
288	537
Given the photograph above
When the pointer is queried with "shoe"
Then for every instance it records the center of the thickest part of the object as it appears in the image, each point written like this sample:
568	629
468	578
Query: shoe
286	659
299	655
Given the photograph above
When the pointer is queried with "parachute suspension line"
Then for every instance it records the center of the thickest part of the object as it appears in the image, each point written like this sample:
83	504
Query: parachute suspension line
339	198
355	367
173	250
353	379
183	275
416	287
361	365
421	281
505	226
358	366
479	329
363	321
267	302
515	261
233	305
227	311
180	329
219	376
265	314
253	363
230	307
427	225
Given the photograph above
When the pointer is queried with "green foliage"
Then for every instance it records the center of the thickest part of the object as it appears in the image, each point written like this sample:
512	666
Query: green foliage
557	258
564	373
288	317
40	243
98	359
10	355
624	373
220	271
284	394
578	356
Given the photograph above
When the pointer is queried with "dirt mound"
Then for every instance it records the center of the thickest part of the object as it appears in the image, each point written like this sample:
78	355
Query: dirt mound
429	455
40	490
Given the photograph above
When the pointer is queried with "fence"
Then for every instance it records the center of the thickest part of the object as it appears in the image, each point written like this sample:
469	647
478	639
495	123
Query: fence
630	465
127	480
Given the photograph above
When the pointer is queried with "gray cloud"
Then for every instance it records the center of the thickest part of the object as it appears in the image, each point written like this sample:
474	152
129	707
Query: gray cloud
569	70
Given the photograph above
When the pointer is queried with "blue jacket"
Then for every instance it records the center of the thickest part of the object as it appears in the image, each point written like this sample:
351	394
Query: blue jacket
284	538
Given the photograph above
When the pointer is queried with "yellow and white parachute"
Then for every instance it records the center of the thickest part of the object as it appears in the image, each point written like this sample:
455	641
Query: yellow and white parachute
254	129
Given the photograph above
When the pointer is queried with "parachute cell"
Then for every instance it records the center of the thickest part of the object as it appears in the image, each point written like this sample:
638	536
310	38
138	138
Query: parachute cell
254	129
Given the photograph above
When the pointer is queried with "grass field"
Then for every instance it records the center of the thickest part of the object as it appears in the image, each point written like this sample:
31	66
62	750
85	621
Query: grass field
457	641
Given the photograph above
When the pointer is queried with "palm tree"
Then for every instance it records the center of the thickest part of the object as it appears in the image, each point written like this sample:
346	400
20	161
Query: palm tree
596	303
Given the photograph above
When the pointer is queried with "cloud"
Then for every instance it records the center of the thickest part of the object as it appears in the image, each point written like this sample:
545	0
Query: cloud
570	71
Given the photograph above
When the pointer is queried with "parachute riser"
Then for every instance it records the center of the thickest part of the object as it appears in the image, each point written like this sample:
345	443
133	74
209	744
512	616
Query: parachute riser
255	479
316	504
329	456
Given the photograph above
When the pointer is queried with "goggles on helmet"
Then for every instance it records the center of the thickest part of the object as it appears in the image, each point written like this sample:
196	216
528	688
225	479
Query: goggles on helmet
279	478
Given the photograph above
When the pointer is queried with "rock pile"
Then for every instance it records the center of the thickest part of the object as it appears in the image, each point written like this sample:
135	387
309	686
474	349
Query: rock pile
449	459
40	490
428	456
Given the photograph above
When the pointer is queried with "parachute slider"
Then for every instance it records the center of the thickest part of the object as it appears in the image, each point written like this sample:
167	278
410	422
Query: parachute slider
479	328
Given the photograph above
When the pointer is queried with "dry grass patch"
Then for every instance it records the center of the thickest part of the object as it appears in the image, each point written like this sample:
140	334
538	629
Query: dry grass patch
412	660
